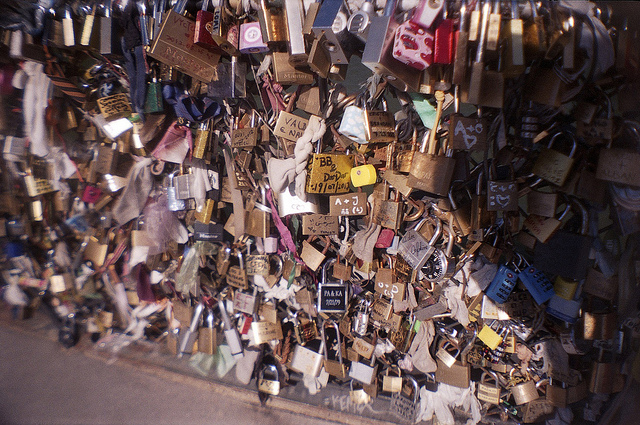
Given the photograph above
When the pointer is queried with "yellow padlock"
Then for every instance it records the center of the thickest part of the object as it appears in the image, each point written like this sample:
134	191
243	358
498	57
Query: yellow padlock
363	175
565	288
490	337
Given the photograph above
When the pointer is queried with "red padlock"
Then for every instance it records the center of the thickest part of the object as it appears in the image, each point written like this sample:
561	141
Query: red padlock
444	46
385	238
413	45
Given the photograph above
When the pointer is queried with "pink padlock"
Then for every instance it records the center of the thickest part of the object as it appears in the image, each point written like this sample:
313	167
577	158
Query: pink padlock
413	45
385	238
91	194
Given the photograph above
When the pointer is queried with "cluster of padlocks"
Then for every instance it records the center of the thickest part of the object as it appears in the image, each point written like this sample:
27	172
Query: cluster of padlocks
459	232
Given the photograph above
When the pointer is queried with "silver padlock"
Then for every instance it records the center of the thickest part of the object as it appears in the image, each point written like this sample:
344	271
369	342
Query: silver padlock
415	249
404	403
173	203
361	319
307	361
188	337
182	184
363	372
269	380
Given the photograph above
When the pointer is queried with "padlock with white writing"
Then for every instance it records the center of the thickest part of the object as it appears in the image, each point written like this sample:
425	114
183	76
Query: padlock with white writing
333	297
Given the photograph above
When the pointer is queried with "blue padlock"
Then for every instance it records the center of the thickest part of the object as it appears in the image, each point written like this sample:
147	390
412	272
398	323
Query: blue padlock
502	284
537	283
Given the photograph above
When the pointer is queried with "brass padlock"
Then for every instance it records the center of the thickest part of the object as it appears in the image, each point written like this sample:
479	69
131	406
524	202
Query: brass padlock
392	384
524	392
311	256
431	172
487	392
599	326
554	166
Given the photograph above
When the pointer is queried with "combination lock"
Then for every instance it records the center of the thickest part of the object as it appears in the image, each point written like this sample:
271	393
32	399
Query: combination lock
439	265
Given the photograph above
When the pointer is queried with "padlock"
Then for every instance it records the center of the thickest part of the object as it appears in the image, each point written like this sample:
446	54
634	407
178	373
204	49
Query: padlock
404	404
379	125
363	373
431	172
188	336
544	227
536	282
502	284
67	27
272	23
552	165
251	39
183	183
269	379
605	377
358	396
208	335
486	392
360	21
460	213
541	203
307	361
237	275
328	173
333	297
466	133
534	36
392	384
387	212
336	367
566	253
378	53
478	28
360	321
414	248
230	332
502	195
490	337
443	43
601	286
413	45
513	34
294	15
493	27
342	271
305	328
331	21
445	355
363	175
258	221
173	203
619	164
599	326
386	282
312	257
556	395
524	392
427	12
460	59
440	265
457	375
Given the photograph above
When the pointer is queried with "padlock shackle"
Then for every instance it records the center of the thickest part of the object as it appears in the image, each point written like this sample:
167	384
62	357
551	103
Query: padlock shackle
334	325
571	137
324	269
